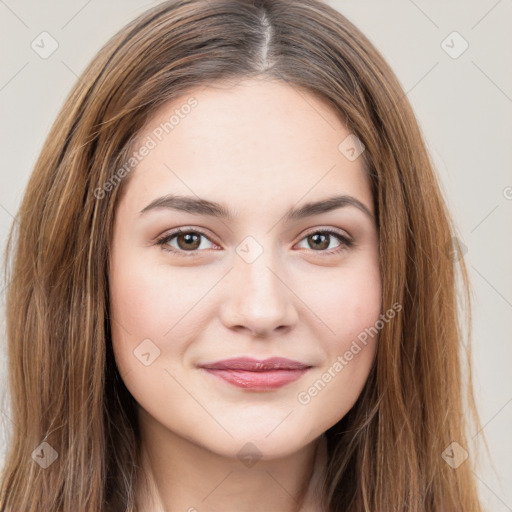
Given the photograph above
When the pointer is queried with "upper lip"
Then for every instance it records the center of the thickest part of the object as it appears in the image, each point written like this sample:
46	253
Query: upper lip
256	365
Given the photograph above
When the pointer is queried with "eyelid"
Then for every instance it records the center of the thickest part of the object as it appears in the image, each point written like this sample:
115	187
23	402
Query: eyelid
326	229
346	241
166	237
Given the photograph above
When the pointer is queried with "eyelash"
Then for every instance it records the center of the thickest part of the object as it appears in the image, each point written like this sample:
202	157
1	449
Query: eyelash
346	243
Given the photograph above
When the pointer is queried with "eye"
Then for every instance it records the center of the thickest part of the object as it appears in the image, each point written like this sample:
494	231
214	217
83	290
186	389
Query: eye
187	240
320	240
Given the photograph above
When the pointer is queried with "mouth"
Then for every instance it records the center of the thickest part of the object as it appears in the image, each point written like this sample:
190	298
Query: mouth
257	375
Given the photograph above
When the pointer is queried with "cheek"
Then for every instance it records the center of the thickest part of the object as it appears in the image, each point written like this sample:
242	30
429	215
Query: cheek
348	304
143	304
351	307
150	302
148	297
144	308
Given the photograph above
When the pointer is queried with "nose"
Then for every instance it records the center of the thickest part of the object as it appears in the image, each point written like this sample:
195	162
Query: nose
259	298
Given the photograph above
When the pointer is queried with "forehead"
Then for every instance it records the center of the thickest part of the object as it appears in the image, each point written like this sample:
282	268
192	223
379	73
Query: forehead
256	141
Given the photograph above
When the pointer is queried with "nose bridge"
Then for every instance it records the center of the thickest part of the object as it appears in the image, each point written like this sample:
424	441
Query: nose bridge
259	299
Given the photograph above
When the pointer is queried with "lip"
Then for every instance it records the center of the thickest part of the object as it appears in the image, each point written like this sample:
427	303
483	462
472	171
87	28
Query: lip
257	375
256	365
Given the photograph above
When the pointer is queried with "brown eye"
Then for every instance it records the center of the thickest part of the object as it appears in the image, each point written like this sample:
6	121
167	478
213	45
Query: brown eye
320	241
182	241
188	241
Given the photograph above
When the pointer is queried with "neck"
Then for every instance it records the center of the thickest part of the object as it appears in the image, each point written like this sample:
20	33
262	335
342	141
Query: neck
180	475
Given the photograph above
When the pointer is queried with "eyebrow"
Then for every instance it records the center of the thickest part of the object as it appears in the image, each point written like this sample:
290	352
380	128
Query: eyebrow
197	206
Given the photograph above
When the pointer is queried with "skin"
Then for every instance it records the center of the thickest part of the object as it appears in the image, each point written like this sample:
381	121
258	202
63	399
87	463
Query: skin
260	148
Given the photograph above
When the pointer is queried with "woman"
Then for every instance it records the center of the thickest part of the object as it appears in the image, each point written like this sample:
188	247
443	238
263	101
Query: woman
177	338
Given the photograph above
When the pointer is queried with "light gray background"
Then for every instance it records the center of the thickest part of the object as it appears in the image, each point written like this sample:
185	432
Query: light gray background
464	107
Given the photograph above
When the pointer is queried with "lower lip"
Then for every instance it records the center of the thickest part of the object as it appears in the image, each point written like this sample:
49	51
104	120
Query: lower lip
258	381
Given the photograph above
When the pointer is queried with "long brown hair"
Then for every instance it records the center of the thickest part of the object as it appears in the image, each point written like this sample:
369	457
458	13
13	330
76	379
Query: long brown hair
386	454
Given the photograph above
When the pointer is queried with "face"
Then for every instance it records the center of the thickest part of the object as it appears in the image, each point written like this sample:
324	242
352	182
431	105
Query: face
257	282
